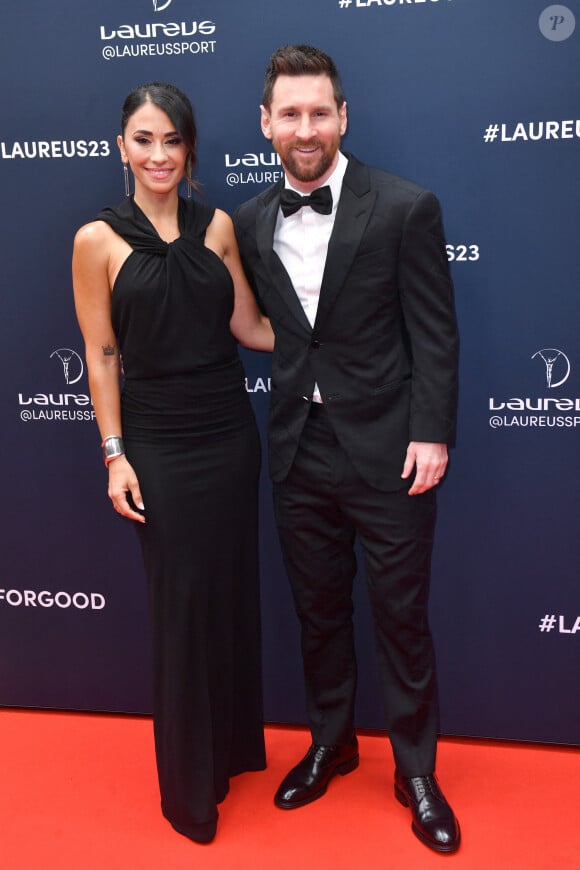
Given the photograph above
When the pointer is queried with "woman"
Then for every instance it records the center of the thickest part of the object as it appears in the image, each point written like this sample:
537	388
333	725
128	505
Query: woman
158	280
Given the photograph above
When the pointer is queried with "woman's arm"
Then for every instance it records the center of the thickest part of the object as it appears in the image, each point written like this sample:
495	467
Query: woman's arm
251	328
92	293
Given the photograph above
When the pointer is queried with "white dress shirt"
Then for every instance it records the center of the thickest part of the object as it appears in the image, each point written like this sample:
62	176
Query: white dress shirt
301	242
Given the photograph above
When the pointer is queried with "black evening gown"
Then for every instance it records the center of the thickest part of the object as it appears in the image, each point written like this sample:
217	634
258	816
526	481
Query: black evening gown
191	436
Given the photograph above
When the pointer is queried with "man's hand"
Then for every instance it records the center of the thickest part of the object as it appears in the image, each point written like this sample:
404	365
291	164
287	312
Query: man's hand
430	460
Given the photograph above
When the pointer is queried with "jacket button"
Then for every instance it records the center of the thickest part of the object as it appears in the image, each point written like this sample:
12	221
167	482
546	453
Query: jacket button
315	345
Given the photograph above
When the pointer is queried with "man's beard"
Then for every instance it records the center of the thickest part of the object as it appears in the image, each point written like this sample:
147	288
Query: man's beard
298	170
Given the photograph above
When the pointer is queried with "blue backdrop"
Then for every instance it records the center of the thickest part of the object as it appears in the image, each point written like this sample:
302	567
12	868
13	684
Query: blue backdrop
476	100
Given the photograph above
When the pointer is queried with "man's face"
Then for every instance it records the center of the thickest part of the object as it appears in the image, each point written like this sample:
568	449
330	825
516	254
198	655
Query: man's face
305	126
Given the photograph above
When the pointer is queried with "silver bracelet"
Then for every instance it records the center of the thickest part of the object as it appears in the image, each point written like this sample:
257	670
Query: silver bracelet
112	447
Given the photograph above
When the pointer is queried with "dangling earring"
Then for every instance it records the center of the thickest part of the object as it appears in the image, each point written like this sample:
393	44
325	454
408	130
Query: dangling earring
126	173
189	164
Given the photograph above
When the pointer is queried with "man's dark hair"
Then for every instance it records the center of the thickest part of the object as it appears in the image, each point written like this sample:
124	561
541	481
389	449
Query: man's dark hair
300	60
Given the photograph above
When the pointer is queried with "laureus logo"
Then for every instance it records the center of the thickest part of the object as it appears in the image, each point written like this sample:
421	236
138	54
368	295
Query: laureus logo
557	366
72	364
159	5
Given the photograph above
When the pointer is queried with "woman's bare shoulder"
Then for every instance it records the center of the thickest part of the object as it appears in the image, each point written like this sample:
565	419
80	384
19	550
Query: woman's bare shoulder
94	234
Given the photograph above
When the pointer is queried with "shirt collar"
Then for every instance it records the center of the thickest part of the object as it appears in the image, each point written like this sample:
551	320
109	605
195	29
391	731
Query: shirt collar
334	182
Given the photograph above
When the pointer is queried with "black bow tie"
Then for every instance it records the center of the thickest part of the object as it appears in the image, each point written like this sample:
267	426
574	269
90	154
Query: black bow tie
320	200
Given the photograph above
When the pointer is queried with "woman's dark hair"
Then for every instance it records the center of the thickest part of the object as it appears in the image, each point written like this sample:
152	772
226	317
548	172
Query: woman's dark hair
178	109
300	60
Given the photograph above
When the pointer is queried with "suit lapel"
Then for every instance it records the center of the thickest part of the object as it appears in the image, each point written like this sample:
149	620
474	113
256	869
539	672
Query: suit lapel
266	216
357	200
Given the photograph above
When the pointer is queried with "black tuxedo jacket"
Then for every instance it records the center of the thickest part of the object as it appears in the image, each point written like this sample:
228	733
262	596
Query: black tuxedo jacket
384	345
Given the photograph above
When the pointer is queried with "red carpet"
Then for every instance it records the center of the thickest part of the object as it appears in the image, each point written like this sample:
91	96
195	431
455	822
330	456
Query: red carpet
79	791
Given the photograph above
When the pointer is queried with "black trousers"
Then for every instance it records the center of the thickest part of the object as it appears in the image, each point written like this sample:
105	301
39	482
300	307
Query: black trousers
320	508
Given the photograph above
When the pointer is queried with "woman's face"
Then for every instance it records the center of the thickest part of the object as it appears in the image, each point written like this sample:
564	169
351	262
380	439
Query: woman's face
154	150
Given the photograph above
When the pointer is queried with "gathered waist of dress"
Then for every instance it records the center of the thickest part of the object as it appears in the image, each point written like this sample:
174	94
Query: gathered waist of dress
204	400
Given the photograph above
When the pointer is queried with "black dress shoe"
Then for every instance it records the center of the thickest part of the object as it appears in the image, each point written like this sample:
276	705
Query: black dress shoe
309	779
433	820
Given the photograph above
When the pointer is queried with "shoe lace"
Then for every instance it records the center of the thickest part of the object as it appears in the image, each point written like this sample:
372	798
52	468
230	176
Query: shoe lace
318	752
424	785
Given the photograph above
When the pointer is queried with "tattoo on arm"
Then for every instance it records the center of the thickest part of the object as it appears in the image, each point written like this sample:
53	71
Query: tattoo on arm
108	350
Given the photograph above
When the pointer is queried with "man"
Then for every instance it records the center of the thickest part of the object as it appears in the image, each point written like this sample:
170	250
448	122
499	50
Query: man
356	283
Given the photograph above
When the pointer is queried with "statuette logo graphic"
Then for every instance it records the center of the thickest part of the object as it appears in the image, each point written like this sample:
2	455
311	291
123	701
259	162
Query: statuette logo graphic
557	366
72	364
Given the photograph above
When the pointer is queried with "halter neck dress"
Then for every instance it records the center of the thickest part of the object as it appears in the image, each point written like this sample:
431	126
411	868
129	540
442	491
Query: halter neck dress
190	434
